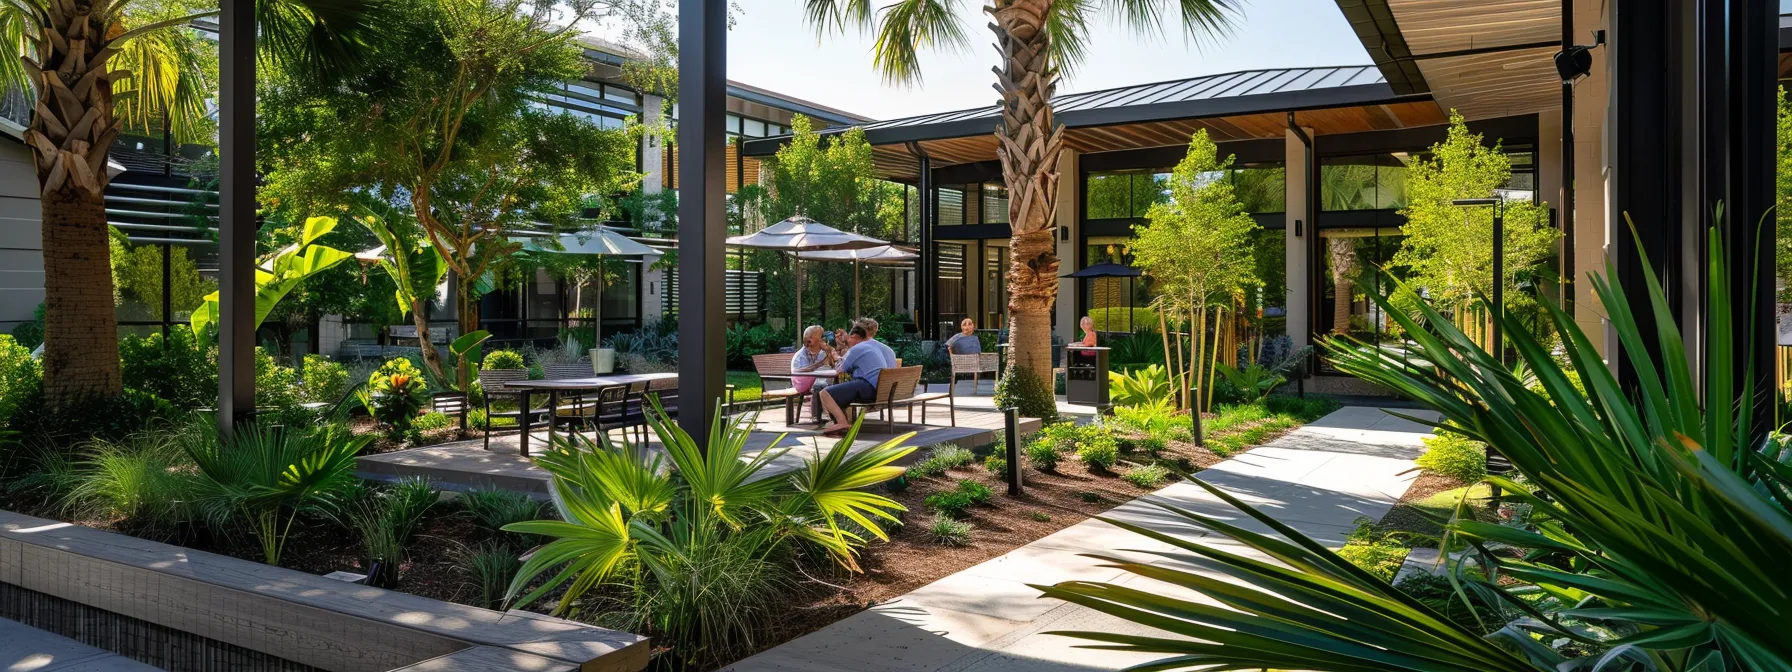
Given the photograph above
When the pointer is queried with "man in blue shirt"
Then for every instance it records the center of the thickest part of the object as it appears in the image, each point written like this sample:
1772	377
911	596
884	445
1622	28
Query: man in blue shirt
863	362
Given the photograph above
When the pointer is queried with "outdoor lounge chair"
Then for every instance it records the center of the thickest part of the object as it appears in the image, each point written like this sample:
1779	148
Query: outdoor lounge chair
896	388
572	404
493	382
973	365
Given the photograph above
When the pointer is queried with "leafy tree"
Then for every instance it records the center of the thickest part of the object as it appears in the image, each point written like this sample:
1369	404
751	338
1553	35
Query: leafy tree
833	181
1449	249
80	60
1037	40
139	275
1197	247
1782	257
444	123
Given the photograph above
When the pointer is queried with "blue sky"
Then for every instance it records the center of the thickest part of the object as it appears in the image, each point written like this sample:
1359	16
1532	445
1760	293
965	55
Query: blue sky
770	47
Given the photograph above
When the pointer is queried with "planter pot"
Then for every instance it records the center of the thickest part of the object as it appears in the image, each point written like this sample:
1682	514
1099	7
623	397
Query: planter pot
603	360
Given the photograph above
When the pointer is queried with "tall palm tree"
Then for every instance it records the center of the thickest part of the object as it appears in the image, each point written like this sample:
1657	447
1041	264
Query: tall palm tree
1038	40
77	58
1344	267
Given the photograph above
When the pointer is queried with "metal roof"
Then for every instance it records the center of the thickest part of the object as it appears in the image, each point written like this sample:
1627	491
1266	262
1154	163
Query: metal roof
1232	93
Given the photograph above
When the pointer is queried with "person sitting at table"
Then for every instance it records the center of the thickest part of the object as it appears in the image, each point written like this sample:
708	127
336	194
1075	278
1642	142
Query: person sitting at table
1088	325
814	355
863	363
965	341
840	344
870	327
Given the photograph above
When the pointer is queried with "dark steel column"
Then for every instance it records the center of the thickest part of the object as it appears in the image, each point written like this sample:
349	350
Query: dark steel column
1748	42
236	213
1646	149
925	286
1566	207
702	145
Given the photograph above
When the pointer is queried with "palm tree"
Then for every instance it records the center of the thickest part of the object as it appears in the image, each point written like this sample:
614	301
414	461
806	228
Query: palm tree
1344	261
1038	39
78	58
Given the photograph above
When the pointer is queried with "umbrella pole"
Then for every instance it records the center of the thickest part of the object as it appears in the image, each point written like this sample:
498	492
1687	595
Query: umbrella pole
597	308
855	289
798	264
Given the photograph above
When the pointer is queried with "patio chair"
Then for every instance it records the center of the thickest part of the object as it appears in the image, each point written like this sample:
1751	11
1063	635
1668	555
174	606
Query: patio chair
493	382
776	384
619	407
973	365
896	388
573	404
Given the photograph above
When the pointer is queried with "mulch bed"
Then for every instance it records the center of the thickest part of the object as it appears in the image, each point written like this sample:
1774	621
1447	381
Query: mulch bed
910	560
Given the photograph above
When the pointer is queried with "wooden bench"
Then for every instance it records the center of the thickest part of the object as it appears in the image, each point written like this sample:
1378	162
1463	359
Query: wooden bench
896	388
776	383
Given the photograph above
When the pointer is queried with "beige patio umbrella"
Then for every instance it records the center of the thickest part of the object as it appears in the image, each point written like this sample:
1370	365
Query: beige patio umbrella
886	255
800	234
597	242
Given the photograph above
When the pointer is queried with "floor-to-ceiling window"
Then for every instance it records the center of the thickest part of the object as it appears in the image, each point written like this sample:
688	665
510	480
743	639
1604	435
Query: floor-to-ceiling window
995	287
953	295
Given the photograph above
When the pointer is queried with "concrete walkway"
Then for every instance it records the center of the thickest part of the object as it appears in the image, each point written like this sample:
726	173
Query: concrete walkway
1317	479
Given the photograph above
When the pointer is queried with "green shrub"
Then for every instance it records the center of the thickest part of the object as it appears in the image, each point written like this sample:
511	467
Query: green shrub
147	480
433	420
276	386
1043	454
183	370
1152	445
1374	552
265	476
1455	456
31	334
1146	386
324	381
1025	390
946	531
488	569
21	377
1147	476
503	359
395	394
1061	435
1041	517
1101	453
951	455
996	465
954	502
496	508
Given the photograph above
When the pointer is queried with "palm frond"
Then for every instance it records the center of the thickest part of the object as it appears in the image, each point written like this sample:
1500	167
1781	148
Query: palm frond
167	81
1202	20
906	28
837	15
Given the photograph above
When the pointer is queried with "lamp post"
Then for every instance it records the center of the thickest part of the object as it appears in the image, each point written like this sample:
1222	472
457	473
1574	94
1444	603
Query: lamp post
1499	267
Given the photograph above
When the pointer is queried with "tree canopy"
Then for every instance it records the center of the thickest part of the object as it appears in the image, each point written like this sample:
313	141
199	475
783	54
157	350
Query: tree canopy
1197	244
1449	248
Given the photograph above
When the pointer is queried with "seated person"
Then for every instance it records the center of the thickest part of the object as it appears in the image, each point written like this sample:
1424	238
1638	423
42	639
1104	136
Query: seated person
840	344
813	355
965	341
870	327
864	364
1088	325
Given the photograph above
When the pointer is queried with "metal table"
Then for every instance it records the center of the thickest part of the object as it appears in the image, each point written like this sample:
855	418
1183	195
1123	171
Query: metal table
791	412
528	388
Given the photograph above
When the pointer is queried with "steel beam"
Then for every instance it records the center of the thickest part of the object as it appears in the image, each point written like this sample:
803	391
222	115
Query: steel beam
702	91
236	213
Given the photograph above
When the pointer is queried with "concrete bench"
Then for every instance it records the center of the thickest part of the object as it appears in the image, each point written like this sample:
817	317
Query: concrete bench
299	617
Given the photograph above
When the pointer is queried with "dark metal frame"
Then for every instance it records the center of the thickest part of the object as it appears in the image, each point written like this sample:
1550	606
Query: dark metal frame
702	225
236	214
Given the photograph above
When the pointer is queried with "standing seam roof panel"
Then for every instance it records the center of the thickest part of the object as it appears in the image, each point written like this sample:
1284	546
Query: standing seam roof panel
1243	84
1276	83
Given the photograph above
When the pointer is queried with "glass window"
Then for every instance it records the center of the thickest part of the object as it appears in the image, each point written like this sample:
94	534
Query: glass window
620	94
1124	195
1117	304
952	286
1261	189
995	204
1369	182
951	206
732	123
752	128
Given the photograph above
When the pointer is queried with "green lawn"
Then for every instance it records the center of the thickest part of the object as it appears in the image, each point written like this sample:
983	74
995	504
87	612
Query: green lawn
746	385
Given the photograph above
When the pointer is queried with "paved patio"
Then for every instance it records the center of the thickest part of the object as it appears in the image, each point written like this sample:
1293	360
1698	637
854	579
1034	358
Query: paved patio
1318	479
465	465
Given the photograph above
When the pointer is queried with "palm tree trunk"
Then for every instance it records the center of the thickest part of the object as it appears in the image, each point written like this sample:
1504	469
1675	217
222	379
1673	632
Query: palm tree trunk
1343	252
80	325
1028	144
71	134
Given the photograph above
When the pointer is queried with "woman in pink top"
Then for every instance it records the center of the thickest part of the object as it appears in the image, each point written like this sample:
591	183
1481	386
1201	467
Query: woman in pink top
1088	325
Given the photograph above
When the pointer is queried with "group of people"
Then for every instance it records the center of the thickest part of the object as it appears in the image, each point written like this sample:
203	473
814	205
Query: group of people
857	357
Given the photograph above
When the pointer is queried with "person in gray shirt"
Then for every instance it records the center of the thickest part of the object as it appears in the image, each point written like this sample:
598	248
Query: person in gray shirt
965	341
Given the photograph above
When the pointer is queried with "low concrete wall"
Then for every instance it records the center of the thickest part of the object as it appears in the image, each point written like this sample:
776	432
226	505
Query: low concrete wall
296	616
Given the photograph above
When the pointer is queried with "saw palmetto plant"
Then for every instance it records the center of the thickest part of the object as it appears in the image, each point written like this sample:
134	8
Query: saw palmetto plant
1656	542
697	547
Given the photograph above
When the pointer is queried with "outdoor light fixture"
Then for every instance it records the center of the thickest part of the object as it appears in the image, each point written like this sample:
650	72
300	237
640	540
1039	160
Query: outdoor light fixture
1064	233
1499	264
1576	61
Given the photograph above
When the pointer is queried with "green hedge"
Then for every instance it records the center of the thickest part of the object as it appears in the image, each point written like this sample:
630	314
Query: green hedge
1114	319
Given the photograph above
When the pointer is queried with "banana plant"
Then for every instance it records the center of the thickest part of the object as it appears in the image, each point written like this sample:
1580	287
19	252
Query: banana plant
415	267
1142	387
280	272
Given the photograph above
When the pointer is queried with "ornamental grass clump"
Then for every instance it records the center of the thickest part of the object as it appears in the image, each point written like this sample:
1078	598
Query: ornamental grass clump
702	548
1454	455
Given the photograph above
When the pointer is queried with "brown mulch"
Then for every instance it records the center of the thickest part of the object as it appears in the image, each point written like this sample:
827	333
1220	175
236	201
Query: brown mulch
911	560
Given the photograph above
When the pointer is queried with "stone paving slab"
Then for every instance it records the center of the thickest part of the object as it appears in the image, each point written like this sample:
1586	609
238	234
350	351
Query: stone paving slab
23	647
1317	479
